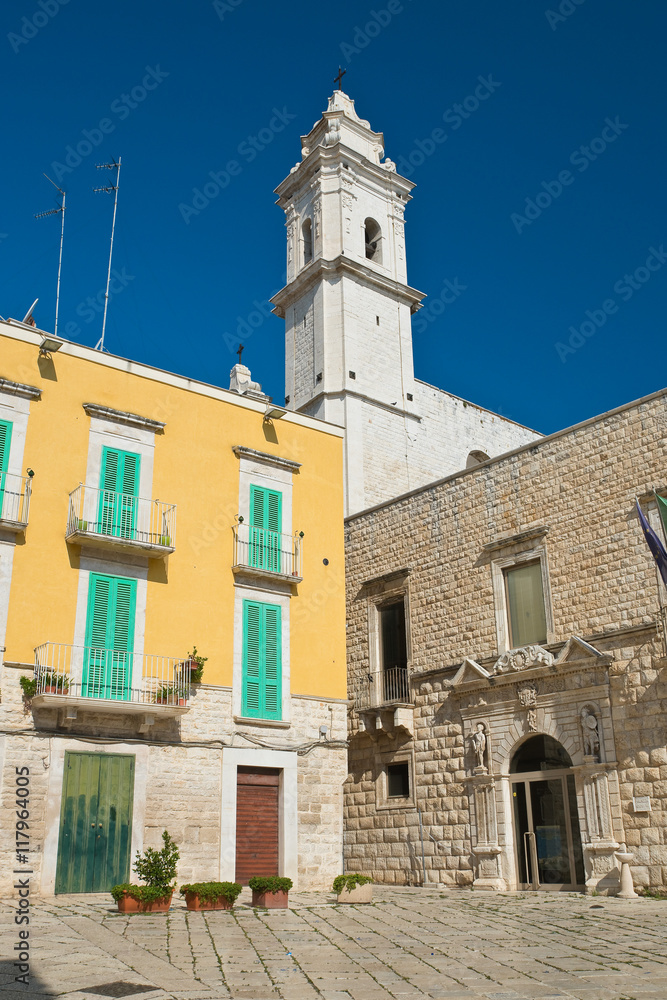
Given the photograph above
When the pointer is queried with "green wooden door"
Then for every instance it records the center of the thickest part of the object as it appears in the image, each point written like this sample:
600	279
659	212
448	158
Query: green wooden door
95	822
119	488
5	440
107	668
265	528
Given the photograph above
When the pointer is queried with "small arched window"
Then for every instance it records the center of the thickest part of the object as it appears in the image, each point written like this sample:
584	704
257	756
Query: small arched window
475	457
307	235
373	241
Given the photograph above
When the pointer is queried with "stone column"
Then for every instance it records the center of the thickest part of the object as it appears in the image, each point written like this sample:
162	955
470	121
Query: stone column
599	852
485	834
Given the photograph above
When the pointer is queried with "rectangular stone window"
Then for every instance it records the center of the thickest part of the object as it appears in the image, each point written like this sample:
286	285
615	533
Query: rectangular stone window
395	782
398	780
525	604
521	591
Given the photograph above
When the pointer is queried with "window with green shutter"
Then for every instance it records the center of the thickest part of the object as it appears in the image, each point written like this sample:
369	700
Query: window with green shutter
265	528
107	668
5	440
262	662
525	604
119	488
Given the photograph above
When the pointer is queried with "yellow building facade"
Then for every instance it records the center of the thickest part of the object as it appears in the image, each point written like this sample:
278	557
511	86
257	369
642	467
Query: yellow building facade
147	522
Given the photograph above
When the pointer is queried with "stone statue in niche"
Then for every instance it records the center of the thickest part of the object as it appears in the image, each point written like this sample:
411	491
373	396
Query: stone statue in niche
590	731
527	696
478	740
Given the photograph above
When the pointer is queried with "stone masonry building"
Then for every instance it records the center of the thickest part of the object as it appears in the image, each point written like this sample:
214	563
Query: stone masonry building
508	671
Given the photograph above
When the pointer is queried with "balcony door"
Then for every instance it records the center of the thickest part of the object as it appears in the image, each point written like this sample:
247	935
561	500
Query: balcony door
107	667
394	653
119	488
265	528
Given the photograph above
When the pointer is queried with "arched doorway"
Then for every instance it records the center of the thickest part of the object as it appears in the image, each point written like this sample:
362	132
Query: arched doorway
546	825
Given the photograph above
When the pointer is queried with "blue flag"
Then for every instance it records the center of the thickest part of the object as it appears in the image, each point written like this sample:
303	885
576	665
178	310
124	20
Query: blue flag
654	544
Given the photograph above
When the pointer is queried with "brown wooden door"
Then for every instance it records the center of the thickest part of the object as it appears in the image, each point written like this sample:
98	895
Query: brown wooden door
256	822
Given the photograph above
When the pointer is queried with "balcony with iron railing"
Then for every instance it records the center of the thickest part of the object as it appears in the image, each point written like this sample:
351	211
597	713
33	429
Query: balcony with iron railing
14	501
385	688
384	703
268	554
91	679
120	521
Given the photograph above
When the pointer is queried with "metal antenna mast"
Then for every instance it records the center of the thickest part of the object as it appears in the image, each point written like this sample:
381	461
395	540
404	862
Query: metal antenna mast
55	211
112	187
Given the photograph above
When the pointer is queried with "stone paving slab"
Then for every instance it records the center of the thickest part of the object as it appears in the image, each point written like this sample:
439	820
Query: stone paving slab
410	943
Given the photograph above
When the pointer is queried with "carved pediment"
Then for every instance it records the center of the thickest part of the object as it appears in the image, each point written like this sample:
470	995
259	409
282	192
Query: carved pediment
577	649
522	659
469	671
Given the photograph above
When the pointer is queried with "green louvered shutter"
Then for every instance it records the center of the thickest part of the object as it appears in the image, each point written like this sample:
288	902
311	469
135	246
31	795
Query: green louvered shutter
262	665
5	439
123	639
97	636
109	637
119	487
265	528
251	659
272	662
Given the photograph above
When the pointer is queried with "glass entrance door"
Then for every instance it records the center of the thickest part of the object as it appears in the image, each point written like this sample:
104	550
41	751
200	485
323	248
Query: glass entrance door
547	839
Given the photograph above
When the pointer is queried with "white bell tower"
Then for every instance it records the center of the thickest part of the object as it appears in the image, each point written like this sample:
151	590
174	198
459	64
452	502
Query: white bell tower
347	304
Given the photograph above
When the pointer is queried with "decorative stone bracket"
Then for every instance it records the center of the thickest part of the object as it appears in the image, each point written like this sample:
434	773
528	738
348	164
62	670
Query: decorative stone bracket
393	721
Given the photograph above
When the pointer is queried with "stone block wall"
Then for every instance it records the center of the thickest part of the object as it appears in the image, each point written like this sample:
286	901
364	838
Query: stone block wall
575	490
178	778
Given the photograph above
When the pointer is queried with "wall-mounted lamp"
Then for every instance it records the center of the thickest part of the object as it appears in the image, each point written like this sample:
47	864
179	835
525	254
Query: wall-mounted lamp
274	413
30	472
50	345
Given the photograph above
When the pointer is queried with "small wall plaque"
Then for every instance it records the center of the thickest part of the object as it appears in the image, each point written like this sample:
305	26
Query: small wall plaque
641	803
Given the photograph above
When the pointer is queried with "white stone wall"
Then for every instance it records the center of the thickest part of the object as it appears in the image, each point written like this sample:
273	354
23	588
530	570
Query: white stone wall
179	786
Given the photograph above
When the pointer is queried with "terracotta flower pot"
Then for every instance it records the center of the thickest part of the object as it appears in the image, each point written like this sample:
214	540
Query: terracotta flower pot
360	894
128	904
193	902
270	900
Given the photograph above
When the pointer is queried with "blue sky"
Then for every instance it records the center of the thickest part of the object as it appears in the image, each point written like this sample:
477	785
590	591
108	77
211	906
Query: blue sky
543	203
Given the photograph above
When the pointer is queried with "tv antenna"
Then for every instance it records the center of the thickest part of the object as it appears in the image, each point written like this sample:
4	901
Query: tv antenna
99	346
42	215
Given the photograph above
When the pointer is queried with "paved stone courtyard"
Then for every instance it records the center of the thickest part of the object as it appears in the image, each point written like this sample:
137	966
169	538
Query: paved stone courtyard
409	943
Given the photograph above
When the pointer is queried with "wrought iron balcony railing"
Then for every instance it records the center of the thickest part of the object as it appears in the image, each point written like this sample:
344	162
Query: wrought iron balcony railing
14	500
385	687
261	551
76	672
121	520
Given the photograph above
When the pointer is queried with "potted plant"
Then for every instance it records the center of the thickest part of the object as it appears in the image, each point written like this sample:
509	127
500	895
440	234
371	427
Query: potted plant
81	525
54	684
270	891
167	695
28	686
211	895
196	663
158	871
165	540
353	888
